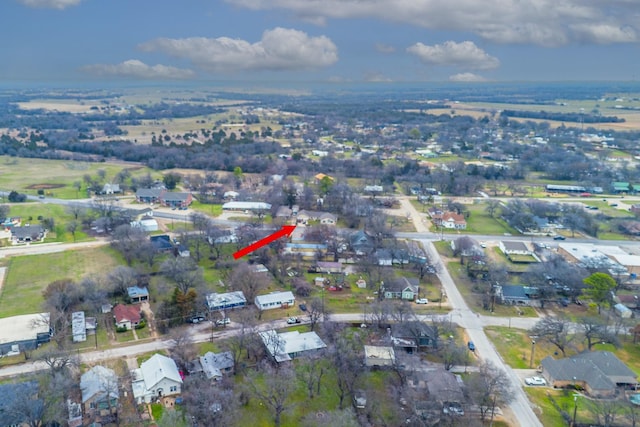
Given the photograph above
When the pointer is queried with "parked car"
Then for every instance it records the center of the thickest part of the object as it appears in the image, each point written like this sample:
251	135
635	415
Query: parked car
303	307
471	346
292	320
452	408
196	319
422	301
559	237
535	381
222	322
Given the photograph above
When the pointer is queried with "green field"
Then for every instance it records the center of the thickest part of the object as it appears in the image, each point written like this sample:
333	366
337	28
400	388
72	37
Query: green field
28	276
56	177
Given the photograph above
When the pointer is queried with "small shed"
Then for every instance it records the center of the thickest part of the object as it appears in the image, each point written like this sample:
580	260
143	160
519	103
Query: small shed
623	311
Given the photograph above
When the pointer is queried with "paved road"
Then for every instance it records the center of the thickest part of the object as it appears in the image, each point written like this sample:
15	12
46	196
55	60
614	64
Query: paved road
470	321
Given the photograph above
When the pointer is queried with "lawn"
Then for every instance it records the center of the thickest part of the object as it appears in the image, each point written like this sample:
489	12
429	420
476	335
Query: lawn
514	346
547	412
28	276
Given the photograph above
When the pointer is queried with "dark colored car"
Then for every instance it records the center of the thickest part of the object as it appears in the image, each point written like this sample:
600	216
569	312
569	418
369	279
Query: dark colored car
303	307
559	238
471	346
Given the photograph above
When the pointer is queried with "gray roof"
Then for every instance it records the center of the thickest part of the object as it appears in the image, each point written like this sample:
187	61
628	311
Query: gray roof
149	192
514	291
443	386
514	246
214	363
287	344
601	370
27	231
98	381
401	284
23	327
177	197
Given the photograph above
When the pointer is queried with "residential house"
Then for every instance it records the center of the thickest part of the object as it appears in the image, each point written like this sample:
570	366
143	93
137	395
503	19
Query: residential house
443	386
99	387
176	200
383	257
226	301
275	300
148	195
215	365
401	288
247	206
631	301
147	225
288	345
230	195
599	373
13	397
515	294
161	243
137	294
328	218
373	189
361	243
111	189
27	233
156	378
413	335
329	267
127	316
375	355
24	332
78	326
514	248
453	221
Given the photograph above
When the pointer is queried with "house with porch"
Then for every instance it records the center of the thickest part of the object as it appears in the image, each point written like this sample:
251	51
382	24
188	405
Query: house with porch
401	288
28	233
226	301
156	378
127	316
413	336
99	387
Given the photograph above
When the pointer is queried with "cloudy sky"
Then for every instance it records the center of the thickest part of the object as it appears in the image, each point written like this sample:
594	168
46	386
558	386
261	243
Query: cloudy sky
320	40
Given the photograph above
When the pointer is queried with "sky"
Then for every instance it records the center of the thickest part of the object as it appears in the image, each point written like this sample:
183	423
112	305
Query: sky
319	40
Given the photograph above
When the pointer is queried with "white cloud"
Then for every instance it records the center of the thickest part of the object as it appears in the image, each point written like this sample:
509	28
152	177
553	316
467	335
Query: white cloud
466	77
279	49
605	33
134	68
465	54
50	4
542	22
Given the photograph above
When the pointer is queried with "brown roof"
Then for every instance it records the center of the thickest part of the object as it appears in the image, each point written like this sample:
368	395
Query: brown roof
126	312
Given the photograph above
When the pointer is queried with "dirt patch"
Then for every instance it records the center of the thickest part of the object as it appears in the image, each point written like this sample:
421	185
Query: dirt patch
44	186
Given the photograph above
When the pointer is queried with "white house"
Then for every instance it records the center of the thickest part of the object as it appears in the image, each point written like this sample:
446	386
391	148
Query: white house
514	248
226	300
78	326
275	300
287	345
157	377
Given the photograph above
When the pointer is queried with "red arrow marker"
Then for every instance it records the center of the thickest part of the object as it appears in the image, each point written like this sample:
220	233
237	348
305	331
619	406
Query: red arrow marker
286	230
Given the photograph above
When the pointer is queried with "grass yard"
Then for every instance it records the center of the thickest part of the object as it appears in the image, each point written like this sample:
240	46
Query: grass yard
28	276
514	346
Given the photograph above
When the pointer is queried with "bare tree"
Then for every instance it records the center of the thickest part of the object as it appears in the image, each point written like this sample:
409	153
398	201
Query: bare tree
121	278
453	354
245	338
244	278
311	371
184	271
129	241
402	312
182	347
58	361
488	388
210	404
317	311
555	330
347	358
379	313
605	411
595	330
275	389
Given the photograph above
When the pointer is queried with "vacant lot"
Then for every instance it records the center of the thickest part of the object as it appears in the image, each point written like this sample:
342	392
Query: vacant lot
28	276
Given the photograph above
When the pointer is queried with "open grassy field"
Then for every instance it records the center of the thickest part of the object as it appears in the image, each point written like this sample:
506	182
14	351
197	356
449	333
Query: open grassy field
28	276
56	177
